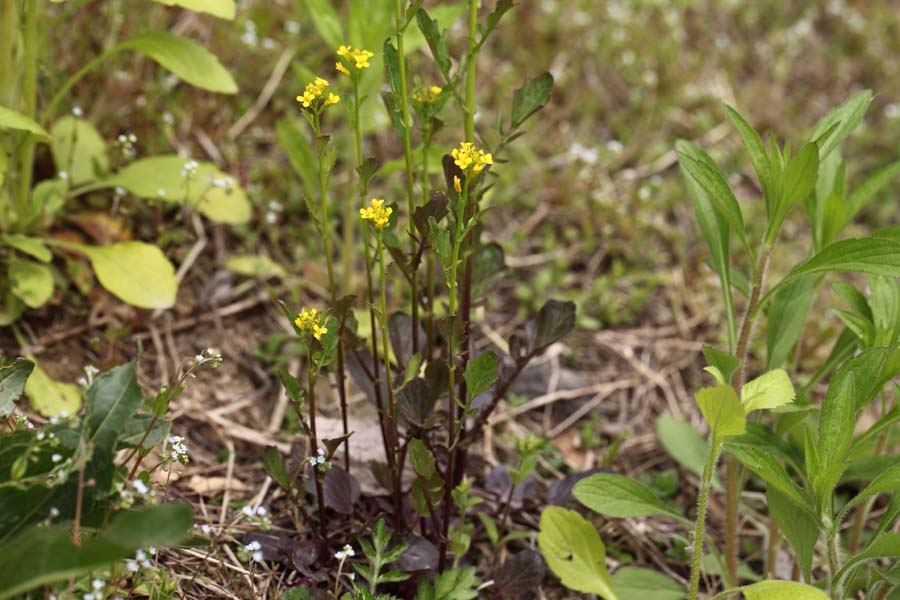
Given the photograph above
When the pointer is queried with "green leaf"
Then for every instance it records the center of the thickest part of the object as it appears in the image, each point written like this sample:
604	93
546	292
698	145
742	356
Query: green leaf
785	320
878	256
326	21
254	266
574	552
436	39
721	364
722	410
797	182
886	482
685	444
867	190
49	397
638	583
31	282
770	390
836	420
136	272
224	9
10	119
759	158
530	98
299	152
701	167
886	545
12	383
78	150
621	497
771	589
481	373
797	525
44	555
764	464
111	400
215	194
33	247
840	123
421	459
451	584
186	59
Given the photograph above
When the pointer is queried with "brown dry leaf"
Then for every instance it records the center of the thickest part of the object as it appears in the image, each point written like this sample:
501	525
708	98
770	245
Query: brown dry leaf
210	486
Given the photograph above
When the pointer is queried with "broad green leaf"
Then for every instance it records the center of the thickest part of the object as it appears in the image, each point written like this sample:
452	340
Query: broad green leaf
840	123
31	282
421	459
224	9
797	182
326	21
786	318
451	584
622	497
797	525
701	167
638	583
111	400
886	545
88	160
12	383
886	482
51	398
722	410
10	119
436	38
44	555
770	390
771	589
254	266
764	464
685	444
215	194
885	300
531	97
33	247
753	144
136	272
574	552
855	299
864	192
836	420
481	373
878	256
185	58
721	364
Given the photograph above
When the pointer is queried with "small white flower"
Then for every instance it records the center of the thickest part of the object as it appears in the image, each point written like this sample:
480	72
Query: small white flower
97	584
76	111
152	550
206	529
257	556
56	458
141	488
54	512
312	460
40	435
261	511
132	565
63	414
167	118
247	510
292	27
161	193
120	191
140	555
88	596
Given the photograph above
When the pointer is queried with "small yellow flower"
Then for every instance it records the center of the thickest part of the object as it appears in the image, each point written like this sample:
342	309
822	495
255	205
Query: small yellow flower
341	68
308	321
357	57
332	99
457	185
314	91
468	157
377	213
343	51
428	96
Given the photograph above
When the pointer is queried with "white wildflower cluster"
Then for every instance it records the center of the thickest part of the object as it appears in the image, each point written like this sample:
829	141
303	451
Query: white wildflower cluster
141	560
292	27
259	516
96	592
178	452
22	422
210	357
90	372
319	461
249	37
226	183
252	551
345	553
129	493
77	112
126	144
275	209
189	170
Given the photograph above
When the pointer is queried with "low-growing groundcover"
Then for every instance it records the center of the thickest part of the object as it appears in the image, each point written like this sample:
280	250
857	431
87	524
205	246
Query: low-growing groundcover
809	450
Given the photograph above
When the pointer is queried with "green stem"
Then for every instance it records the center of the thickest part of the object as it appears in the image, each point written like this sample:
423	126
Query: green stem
712	457
29	95
314	447
834	564
470	71
400	11
8	74
349	210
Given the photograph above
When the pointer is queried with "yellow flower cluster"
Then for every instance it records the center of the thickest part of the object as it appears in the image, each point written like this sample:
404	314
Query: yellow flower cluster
357	57
427	96
378	214
308	321
316	90
467	157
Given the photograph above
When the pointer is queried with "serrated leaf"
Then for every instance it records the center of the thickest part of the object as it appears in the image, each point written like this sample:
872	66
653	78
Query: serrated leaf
770	390
186	59
481	373
136	272
621	497
574	552
531	97
722	410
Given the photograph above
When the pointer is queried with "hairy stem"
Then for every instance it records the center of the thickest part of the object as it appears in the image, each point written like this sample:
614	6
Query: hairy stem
314	447
29	96
712	457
